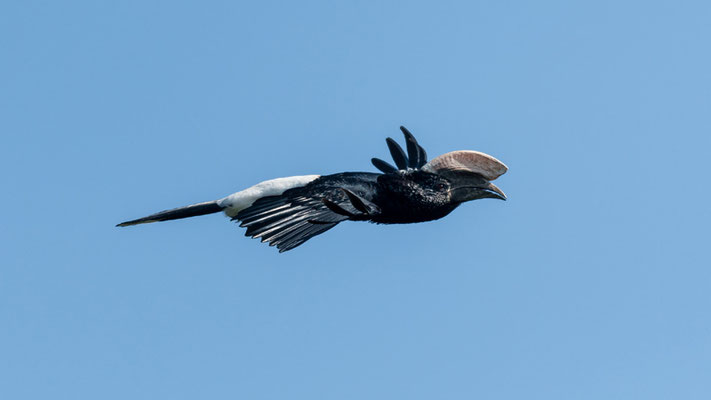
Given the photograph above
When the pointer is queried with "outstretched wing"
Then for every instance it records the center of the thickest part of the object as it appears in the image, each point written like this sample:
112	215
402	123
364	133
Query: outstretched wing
416	156
290	219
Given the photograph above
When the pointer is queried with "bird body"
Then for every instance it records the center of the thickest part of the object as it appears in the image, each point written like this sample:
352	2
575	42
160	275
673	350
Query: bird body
288	211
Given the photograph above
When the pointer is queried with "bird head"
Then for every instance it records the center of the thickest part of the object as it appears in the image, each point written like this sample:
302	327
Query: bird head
466	175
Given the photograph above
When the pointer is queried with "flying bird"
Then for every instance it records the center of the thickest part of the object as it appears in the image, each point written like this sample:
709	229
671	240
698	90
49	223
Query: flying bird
286	212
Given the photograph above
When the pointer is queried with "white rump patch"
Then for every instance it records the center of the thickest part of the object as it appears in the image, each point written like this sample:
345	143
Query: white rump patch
237	202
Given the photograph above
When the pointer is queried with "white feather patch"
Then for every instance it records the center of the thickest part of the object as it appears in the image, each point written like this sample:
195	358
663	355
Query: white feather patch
237	202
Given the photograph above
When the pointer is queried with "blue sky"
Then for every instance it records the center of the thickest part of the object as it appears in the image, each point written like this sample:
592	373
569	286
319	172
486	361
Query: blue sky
591	282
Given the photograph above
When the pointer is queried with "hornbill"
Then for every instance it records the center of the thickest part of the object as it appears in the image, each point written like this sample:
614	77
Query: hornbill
286	212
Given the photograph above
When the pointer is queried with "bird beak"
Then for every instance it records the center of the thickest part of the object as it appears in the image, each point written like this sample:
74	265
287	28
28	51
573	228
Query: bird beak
470	174
494	192
467	186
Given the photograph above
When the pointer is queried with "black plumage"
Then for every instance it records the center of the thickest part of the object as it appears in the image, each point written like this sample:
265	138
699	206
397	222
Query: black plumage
414	191
397	153
383	165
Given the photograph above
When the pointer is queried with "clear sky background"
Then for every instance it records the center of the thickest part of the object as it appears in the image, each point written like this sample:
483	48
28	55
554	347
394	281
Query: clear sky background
591	282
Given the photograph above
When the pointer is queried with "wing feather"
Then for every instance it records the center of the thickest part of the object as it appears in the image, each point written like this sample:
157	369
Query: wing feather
397	153
285	222
417	155
384	166
415	158
413	153
302	236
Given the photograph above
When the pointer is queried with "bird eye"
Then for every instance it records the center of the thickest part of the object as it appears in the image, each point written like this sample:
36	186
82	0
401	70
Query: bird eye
440	186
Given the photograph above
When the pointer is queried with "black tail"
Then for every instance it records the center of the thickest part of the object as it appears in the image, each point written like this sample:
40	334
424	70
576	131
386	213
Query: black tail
193	210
